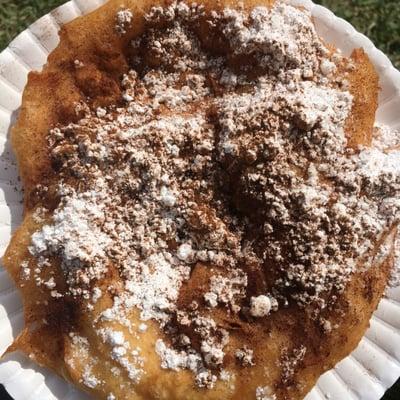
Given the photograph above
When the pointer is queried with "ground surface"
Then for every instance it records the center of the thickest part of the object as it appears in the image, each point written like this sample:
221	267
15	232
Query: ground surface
378	19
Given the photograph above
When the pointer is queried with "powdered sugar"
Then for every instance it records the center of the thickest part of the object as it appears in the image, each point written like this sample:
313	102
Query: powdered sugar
89	379
228	290
172	359
264	393
154	287
260	306
282	37
122	354
75	234
124	19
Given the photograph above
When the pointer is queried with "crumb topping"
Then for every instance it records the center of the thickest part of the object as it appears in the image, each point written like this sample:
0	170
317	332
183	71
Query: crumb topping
123	21
260	306
234	160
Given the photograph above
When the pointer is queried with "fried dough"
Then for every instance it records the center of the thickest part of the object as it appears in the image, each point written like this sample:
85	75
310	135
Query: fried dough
49	100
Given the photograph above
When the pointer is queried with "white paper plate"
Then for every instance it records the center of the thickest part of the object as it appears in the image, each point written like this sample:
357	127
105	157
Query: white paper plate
365	375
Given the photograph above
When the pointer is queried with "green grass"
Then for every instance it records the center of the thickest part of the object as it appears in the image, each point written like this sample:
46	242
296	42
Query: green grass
378	19
16	15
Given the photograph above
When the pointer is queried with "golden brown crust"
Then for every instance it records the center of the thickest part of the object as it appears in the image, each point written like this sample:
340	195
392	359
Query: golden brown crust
49	99
364	86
